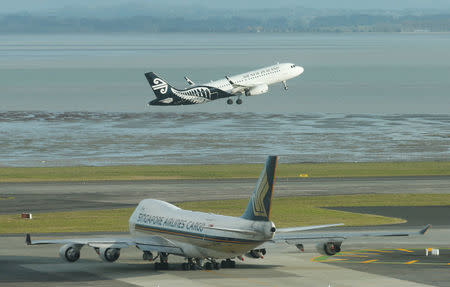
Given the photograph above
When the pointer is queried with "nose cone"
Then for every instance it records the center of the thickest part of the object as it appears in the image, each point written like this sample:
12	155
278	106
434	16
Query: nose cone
299	70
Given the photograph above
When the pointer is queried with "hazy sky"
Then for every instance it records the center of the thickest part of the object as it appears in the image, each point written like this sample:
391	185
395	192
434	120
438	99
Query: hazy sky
344	73
46	5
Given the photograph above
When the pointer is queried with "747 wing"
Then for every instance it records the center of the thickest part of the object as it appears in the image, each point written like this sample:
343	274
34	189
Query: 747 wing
329	243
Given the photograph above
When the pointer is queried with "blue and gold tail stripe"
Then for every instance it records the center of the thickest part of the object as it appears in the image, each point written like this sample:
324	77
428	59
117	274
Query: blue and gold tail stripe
198	236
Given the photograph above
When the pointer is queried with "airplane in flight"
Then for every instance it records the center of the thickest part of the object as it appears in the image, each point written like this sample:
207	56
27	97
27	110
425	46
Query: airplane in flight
162	229
247	84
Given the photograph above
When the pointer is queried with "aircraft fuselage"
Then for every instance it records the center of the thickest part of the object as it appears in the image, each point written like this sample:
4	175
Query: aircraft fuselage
198	234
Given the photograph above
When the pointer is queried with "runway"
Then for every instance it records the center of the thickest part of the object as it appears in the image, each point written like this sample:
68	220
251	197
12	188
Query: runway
45	197
284	265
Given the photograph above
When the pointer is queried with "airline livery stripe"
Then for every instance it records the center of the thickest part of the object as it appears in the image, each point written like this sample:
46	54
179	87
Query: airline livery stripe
196	235
273	181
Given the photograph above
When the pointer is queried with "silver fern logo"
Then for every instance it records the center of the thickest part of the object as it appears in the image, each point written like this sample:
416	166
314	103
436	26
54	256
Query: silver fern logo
195	95
160	85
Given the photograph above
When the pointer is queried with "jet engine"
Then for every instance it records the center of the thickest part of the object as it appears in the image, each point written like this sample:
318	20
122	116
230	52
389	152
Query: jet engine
257	90
109	254
256	253
329	248
70	252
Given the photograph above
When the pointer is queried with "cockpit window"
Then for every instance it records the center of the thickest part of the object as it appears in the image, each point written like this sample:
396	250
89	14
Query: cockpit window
292	66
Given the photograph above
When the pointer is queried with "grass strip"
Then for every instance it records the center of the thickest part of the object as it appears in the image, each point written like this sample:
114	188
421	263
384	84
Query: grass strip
286	212
220	171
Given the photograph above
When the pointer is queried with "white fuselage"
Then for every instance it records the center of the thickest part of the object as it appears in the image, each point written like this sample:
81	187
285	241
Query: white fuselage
265	76
198	234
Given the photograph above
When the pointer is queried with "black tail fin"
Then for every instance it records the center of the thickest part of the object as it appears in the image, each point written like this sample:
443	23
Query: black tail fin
258	207
160	87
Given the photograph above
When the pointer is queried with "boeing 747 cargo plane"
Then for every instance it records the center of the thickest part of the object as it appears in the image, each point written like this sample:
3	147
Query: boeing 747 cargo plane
160	228
248	84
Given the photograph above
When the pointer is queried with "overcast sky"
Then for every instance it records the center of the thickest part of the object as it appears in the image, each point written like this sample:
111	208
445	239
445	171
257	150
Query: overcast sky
48	5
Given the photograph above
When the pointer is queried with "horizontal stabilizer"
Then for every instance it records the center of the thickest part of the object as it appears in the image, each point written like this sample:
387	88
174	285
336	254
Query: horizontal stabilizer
304	228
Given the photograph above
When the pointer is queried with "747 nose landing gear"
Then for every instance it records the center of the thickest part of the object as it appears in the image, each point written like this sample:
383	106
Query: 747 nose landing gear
230	101
238	101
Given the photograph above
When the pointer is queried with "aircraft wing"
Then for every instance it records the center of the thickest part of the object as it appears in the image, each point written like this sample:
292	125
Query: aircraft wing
150	243
304	228
237	88
298	237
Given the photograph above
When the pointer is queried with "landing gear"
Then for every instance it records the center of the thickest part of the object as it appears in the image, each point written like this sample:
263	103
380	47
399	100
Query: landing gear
238	101
192	264
210	265
230	101
285	85
228	263
163	264
147	256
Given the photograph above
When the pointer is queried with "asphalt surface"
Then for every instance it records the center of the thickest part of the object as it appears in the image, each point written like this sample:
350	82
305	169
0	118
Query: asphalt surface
283	265
22	265
437	216
404	264
57	196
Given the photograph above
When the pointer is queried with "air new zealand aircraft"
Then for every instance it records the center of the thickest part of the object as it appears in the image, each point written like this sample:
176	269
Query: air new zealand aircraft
248	84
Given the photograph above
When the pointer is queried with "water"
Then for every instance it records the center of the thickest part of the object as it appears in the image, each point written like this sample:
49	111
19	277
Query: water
362	97
344	73
89	138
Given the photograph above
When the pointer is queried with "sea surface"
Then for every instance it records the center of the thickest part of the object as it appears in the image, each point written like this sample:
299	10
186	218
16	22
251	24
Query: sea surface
344	73
92	138
80	99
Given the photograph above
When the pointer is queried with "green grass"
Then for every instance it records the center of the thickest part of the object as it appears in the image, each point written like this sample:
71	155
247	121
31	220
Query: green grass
220	171
286	212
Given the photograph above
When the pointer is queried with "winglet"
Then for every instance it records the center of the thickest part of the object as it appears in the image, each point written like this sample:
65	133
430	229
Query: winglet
28	239
425	229
229	80
189	81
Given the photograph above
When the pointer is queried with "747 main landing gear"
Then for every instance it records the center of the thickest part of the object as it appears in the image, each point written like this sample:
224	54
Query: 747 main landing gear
191	264
238	101
211	265
163	264
228	263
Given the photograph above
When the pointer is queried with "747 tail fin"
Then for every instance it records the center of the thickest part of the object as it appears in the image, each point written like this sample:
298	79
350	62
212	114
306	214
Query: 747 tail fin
258	207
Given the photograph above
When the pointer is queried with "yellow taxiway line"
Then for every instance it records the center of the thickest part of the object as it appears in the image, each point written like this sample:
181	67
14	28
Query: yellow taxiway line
370	261
412	261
